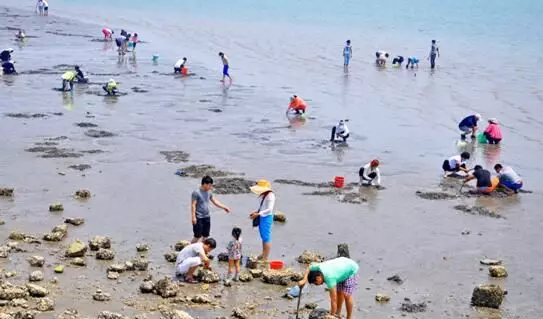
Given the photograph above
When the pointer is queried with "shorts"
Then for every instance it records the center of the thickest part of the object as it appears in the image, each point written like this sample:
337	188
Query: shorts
225	70
265	227
346	59
348	286
485	189
447	167
465	129
185	265
118	42
512	186
176	70
202	227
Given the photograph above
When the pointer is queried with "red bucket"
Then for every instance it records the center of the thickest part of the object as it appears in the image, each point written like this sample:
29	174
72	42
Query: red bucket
277	264
339	181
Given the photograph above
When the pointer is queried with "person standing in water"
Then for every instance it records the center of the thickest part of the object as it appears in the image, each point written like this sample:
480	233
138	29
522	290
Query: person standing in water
134	41
434	53
45	8
225	67
39	7
347	54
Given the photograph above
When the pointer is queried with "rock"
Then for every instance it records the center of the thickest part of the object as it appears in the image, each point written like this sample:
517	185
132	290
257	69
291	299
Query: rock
222	257
279	217
15	235
142	247
10	292
57	207
343	250
140	264
201	299
110	315
490	262
320	313
170	256
4	251
408	306
10	274
239	314
181	244
147	287
245	277
227	283
36	261
105	254
76	221
98	133
179	314
45	304
36	291
78	262
256	273
54	236
18	303
251	263
2	222
98	242
117	268
308	257
382	298
497	271
129	265
488	296
206	276
395	279
76	249
36	276
279	277
5	316
59	269
80	167
6	191
83	193
99	295
112	275
311	306
166	288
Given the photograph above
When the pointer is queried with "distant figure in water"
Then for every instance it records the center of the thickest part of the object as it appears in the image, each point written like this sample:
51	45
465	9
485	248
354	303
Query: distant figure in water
297	104
347	54
340	132
225	67
20	36
68	81
179	65
80	76
469	125
5	56
45	8
412	61
108	34
381	58
121	44
370	174
124	33
456	164
39	7
493	132
508	178
398	60
434	53
111	87
134	41
8	67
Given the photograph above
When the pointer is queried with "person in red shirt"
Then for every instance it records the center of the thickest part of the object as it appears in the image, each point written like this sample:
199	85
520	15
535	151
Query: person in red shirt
297	104
493	132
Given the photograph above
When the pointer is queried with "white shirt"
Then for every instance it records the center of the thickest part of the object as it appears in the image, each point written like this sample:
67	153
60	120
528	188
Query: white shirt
382	54
268	204
179	63
368	170
456	160
342	129
45	4
192	250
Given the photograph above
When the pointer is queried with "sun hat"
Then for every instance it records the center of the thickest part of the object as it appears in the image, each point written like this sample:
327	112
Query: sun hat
493	120
261	186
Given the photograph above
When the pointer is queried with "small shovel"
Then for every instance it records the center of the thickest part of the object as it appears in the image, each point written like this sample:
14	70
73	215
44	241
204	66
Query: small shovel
298	306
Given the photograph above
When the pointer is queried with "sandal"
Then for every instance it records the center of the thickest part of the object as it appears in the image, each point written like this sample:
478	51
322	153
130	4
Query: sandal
190	280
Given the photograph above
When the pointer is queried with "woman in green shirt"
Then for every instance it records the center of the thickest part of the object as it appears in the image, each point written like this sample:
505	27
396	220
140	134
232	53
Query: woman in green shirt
341	279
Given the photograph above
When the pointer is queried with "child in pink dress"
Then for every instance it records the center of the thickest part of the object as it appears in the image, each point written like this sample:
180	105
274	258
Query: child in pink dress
234	254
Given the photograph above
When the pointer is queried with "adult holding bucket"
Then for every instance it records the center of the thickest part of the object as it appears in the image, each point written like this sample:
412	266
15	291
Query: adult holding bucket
263	217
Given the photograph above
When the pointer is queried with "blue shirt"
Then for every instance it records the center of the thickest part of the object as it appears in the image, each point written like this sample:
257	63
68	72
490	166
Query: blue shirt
470	121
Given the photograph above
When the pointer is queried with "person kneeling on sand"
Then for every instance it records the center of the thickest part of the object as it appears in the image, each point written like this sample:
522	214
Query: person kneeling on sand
508	178
456	164
484	180
340	275
191	257
8	67
297	104
370	174
340	132
110	87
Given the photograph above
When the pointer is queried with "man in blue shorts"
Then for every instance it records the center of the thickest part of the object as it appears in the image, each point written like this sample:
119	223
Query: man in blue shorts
508	178
469	124
225	67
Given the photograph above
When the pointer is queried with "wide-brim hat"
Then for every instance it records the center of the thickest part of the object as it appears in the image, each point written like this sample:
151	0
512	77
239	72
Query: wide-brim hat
261	186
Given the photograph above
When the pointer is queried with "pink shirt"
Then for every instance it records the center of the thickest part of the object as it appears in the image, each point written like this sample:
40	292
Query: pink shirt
494	131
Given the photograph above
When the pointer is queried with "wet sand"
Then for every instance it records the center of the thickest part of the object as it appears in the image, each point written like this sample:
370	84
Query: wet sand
138	199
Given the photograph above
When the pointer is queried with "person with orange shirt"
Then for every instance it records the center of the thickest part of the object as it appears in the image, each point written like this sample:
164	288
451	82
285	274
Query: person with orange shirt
297	104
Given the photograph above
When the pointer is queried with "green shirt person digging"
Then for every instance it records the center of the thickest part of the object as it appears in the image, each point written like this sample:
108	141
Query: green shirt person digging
340	275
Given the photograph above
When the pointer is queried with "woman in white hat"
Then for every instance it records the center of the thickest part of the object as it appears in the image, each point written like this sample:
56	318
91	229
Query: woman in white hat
493	132
263	217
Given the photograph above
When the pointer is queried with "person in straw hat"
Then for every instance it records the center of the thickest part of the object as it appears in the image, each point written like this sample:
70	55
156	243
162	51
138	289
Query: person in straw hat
493	132
263	217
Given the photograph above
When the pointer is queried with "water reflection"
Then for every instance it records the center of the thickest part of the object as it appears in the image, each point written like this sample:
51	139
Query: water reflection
68	100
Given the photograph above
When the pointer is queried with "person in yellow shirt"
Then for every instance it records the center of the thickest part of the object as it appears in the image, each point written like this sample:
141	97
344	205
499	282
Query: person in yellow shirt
110	87
68	79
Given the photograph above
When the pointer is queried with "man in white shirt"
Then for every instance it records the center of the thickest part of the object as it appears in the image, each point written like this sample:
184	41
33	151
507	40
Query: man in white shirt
191	257
370	174
179	65
456	164
340	131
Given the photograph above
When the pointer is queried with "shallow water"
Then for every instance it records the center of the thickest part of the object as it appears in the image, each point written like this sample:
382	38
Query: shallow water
407	121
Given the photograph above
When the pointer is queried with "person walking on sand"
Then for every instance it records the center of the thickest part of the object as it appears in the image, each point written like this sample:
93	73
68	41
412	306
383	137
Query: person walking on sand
45	8
201	219
508	178
39	7
347	54
234	254
434	53
225	67
263	217
191	257
370	174
340	275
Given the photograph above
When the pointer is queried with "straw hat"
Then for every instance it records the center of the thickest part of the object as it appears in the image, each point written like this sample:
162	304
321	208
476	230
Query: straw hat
261	186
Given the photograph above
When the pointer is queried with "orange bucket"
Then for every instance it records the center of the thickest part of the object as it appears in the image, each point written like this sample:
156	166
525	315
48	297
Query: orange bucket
339	181
277	264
